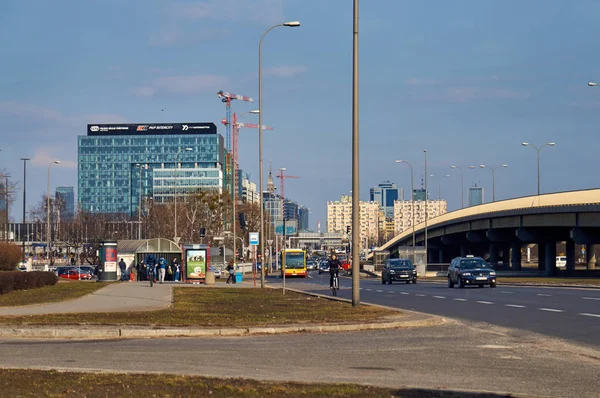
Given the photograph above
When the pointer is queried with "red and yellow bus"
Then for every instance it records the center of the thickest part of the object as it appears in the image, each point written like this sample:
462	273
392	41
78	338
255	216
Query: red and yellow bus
294	262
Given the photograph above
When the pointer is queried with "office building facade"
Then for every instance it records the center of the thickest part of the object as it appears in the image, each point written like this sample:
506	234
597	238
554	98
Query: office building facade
65	197
475	196
386	193
110	156
303	214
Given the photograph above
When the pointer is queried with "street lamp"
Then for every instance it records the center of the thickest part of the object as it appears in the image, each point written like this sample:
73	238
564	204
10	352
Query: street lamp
412	199
175	189
540	148
48	237
493	169
426	210
291	24
24	202
145	167
592	84
234	189
439	192
462	190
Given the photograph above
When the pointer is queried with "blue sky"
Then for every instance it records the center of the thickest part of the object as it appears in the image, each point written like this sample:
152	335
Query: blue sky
466	80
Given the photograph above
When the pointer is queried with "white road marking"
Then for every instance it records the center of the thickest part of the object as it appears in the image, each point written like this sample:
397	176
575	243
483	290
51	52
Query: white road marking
544	295
459	299
506	292
369	290
514	305
404	293
588	314
550	310
420	295
379	291
441	297
591	298
484	302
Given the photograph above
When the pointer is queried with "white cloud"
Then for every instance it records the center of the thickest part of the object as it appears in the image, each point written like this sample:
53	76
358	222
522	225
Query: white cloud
264	11
182	85
47	155
286	70
41	113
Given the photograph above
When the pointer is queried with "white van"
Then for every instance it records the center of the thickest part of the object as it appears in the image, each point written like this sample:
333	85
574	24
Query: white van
561	262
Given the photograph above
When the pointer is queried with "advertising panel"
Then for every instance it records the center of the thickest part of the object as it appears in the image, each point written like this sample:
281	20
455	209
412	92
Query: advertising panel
110	262
195	263
291	227
151	129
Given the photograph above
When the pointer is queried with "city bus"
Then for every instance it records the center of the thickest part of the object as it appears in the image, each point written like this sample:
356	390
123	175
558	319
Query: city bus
294	262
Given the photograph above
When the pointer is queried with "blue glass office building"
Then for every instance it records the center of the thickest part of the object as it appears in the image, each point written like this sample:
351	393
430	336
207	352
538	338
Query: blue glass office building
112	159
67	196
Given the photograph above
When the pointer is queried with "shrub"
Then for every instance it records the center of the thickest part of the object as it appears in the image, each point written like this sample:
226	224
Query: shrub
17	280
10	255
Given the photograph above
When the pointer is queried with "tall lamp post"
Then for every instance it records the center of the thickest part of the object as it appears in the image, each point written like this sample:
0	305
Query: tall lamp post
291	24
538	153
175	189
233	191
493	169
426	211
141	167
462	189
24	203
439	192
412	198
48	234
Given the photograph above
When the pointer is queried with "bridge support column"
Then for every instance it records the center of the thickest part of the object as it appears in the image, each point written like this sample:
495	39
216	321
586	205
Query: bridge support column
541	248
440	256
570	256
590	255
550	258
494	255
516	256
506	256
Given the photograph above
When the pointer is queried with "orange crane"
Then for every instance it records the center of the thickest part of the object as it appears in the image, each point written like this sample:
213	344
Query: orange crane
283	177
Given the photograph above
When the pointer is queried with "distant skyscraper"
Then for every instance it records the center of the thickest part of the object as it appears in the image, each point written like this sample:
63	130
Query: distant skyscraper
66	196
302	218
475	195
419	194
386	193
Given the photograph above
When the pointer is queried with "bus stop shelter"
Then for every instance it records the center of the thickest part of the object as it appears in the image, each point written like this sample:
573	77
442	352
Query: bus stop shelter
134	251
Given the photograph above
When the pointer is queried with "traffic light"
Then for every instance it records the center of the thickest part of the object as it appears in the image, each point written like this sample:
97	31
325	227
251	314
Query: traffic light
242	219
348	229
221	250
202	232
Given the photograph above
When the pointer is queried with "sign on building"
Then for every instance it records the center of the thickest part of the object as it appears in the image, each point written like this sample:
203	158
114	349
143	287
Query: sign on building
291	227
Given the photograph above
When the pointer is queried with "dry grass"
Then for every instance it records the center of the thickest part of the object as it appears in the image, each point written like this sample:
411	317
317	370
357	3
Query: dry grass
62	291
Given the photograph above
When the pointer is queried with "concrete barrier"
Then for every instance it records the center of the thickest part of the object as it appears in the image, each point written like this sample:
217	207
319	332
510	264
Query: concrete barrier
210	278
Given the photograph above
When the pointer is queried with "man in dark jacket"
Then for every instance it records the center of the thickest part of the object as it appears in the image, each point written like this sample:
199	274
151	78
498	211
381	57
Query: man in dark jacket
334	268
123	268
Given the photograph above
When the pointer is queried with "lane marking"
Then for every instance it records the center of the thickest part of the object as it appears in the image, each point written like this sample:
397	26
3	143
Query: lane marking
404	293
544	295
484	302
440	297
379	291
506	292
514	305
369	290
588	314
459	299
550	310
591	298
420	295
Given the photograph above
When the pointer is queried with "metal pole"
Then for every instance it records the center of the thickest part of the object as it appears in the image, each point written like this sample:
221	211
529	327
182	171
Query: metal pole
283	264
355	167
233	189
462	190
140	208
24	202
538	153
48	216
175	197
426	211
493	185
412	204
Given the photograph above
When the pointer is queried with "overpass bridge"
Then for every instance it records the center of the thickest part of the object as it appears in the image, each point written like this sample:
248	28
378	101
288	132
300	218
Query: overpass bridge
499	230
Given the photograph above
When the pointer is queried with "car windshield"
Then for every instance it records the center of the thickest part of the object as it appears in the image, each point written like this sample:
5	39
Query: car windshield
400	264
473	263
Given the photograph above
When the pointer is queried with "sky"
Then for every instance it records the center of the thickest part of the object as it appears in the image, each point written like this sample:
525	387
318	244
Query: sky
467	80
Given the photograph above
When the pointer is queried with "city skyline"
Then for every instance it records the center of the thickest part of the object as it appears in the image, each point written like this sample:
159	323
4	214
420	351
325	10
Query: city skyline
473	89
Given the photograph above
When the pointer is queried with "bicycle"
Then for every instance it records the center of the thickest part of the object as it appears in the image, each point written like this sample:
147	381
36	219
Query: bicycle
336	284
150	275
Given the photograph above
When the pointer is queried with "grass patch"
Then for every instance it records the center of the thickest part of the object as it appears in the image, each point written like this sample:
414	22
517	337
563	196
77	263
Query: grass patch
49	294
36	383
223	307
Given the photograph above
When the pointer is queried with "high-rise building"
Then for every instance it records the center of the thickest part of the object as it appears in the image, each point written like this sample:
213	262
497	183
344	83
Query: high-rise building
110	156
419	194
290	210
303	213
339	218
65	197
386	193
475	195
403	212
272	207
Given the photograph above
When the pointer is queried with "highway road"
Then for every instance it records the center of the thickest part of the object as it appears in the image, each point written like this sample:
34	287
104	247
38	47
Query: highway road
568	313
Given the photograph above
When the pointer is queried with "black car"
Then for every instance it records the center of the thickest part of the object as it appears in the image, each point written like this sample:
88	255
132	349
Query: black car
464	271
399	270
324	266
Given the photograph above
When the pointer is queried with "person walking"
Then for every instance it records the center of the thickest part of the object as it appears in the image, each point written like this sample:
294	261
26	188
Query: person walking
162	269
123	268
231	272
177	272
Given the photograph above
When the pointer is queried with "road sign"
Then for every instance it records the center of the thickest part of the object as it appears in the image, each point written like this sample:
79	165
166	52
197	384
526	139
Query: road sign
254	238
291	227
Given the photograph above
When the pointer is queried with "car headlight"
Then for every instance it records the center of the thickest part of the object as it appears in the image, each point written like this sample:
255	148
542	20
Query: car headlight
414	271
392	271
466	274
492	273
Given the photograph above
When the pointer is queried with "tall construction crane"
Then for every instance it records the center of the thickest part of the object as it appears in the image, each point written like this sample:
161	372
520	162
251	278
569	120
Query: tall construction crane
283	177
227	98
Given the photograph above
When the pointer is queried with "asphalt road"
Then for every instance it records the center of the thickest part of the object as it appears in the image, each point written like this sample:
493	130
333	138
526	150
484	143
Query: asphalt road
568	313
456	356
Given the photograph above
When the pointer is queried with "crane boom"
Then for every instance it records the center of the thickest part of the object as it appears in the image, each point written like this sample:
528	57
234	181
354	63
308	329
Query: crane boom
283	177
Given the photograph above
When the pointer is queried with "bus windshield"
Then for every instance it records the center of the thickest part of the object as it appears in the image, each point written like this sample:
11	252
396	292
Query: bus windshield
294	260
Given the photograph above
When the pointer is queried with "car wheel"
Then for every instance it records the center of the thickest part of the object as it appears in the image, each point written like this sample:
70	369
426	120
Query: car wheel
450	284
382	281
414	281
493	284
390	281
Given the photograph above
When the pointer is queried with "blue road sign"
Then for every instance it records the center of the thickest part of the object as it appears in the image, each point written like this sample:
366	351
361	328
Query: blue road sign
254	238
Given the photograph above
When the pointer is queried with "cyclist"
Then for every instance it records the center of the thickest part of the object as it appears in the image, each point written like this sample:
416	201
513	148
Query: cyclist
334	268
150	261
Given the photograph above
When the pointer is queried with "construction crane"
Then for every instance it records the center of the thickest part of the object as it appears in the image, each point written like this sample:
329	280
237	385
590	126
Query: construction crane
226	98
283	177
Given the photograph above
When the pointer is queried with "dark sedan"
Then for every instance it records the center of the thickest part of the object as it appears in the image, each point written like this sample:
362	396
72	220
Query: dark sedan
398	270
465	271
